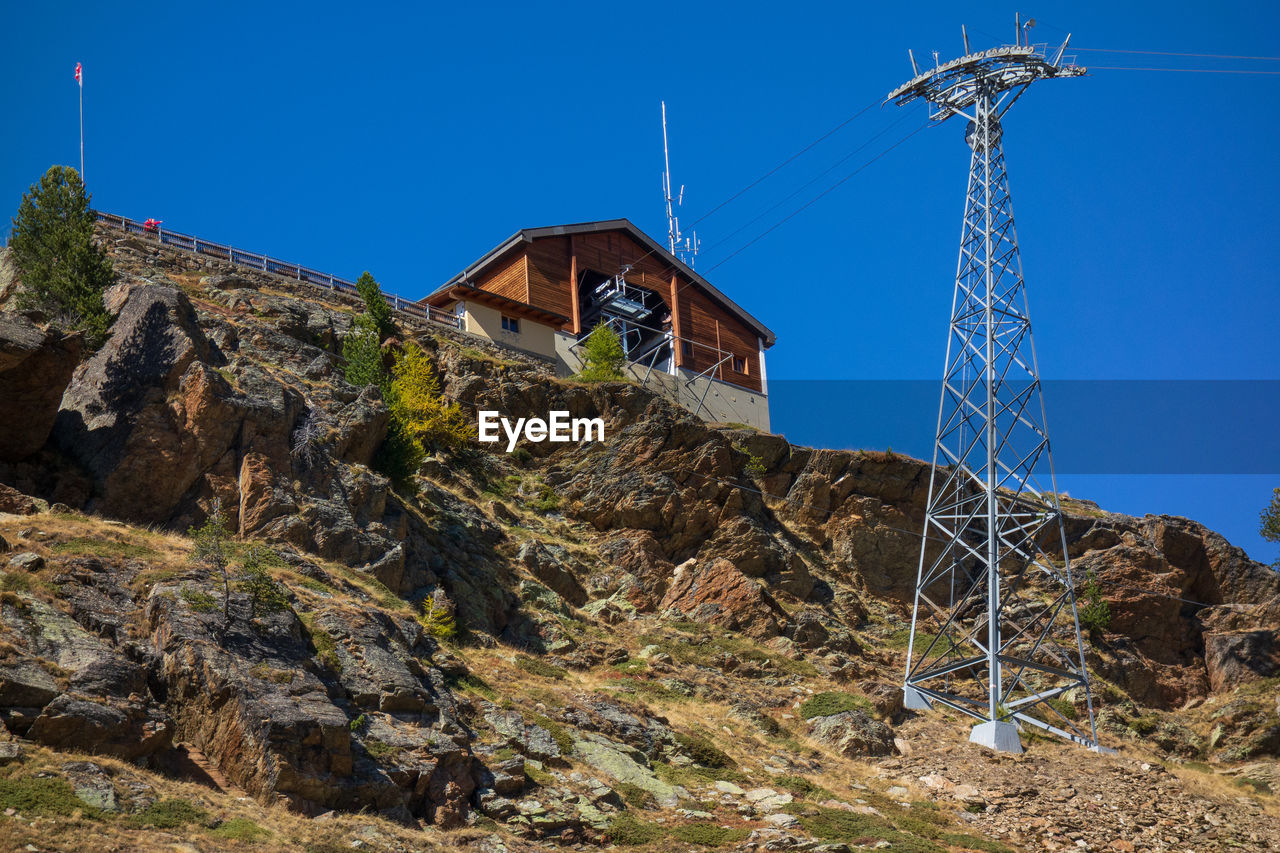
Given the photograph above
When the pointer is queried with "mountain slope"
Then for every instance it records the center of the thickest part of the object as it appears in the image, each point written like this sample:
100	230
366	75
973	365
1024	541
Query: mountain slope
682	635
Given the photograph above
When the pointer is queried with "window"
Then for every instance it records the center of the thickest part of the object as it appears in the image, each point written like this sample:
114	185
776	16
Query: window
686	349
739	364
510	324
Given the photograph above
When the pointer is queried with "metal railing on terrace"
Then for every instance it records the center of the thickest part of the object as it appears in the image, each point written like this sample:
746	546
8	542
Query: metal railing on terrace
199	246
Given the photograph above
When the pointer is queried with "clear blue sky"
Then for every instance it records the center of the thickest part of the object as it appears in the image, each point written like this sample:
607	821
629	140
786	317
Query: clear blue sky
408	141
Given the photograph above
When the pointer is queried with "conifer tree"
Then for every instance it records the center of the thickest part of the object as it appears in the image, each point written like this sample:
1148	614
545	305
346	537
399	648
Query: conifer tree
53	249
375	304
602	356
362	352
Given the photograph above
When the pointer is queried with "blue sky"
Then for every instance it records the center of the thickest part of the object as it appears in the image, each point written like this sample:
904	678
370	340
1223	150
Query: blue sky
409	140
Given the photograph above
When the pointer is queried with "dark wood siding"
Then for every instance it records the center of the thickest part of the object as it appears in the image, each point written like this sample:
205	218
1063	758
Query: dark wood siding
507	278
609	251
549	275
711	328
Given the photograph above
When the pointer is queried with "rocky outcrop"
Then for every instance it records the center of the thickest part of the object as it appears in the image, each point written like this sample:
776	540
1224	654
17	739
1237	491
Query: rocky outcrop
35	366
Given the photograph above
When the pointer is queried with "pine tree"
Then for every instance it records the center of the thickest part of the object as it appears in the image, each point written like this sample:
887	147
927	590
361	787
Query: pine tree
53	249
362	352
266	594
602	356
210	543
375	304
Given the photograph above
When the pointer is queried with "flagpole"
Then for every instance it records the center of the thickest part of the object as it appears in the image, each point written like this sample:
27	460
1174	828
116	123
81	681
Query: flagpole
81	87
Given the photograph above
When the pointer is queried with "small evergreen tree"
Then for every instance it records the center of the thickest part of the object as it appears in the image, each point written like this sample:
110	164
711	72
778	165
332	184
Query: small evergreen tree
417	403
375	304
362	352
400	454
53	249
209	549
1095	612
1269	521
602	356
266	594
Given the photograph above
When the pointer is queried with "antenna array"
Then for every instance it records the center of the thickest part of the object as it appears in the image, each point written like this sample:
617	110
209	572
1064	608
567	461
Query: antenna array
684	248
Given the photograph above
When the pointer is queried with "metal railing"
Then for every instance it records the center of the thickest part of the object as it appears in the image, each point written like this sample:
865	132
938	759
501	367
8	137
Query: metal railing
253	260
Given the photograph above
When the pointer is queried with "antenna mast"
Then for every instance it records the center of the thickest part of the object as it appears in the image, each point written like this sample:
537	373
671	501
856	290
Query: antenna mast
684	248
994	630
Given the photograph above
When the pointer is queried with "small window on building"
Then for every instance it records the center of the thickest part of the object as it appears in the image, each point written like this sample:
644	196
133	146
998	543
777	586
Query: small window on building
510	324
686	349
739	364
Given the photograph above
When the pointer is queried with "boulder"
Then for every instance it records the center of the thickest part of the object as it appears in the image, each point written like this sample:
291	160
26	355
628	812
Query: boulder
717	593
553	570
853	733
35	367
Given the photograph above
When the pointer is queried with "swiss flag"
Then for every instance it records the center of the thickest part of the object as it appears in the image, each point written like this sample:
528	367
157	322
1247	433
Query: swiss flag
79	76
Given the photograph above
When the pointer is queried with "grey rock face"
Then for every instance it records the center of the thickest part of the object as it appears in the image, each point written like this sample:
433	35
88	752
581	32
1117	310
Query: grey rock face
35	368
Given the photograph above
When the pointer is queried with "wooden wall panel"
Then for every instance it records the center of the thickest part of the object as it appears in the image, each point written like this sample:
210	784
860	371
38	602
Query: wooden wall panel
710	327
509	279
549	275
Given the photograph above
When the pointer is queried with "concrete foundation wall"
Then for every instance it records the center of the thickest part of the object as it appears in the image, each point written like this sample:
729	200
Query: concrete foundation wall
710	399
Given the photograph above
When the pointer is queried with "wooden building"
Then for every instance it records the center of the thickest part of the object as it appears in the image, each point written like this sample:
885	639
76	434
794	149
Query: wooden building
544	289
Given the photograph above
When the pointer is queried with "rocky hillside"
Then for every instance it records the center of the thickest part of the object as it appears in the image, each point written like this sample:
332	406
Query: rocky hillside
684	637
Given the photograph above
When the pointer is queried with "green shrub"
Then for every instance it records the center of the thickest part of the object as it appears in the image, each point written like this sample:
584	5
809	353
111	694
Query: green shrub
199	600
826	704
558	733
52	246
359	724
602	356
546	500
703	751
709	834
48	796
1064	706
754	467
628	830
400	455
540	668
266	594
635	796
169	814
241	829
379	749
15	582
802	787
322	642
473	683
1095	611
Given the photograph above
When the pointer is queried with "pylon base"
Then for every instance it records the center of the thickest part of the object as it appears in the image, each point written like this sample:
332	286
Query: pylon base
1002	737
914	700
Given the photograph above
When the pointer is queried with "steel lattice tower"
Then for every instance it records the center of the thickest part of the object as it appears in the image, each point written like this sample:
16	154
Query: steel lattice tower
994	630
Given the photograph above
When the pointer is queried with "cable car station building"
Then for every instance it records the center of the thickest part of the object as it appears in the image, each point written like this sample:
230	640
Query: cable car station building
543	290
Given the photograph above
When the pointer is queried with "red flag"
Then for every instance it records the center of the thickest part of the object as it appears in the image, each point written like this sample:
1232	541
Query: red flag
79	77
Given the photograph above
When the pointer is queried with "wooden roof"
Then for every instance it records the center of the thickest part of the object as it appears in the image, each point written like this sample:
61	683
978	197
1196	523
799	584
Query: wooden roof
528	235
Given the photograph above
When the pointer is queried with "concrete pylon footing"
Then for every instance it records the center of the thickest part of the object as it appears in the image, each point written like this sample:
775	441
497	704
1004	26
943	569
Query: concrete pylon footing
914	700
1002	737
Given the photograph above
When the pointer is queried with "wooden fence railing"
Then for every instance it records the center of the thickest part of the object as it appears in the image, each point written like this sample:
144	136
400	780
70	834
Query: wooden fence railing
186	242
